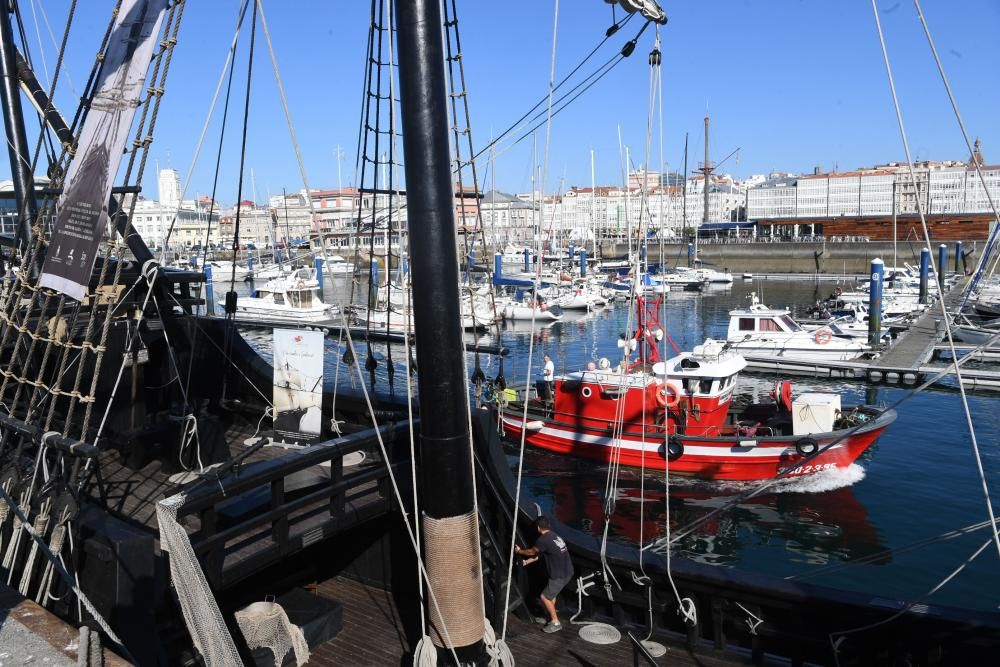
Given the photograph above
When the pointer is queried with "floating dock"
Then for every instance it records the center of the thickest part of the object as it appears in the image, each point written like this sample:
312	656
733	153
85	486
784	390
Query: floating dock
907	361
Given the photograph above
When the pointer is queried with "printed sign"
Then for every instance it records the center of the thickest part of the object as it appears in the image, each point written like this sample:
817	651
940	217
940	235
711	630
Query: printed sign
82	209
298	381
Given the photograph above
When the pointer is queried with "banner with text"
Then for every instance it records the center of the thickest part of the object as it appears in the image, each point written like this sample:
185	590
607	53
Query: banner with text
81	213
298	381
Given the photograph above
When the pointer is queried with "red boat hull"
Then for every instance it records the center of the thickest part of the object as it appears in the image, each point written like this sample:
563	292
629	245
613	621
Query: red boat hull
707	457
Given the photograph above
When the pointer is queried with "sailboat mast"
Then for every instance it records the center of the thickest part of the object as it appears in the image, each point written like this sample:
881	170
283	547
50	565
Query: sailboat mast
449	522
593	203
13	122
684	188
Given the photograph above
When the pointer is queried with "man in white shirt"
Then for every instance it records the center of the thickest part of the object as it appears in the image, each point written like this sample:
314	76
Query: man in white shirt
549	375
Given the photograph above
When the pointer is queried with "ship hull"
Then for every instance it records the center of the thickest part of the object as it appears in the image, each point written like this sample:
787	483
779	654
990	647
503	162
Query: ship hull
723	458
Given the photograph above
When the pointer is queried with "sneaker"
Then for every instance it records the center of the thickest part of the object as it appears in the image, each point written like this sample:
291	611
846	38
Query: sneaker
552	627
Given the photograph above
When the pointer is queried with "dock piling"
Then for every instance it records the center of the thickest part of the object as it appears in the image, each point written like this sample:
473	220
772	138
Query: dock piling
527	259
583	263
373	284
942	261
875	302
209	292
925	270
318	262
497	267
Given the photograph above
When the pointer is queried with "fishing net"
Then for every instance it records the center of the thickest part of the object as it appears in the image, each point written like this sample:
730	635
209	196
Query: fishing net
266	625
201	613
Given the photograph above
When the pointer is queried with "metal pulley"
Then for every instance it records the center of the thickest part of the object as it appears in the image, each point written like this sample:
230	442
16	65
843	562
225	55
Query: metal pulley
650	9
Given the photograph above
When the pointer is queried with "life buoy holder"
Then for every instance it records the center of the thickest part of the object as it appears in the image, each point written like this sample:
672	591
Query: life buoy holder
838	291
586	392
806	446
823	336
675	448
669	395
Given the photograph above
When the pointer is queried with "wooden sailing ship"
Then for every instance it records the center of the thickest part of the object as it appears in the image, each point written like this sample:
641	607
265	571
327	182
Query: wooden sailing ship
107	395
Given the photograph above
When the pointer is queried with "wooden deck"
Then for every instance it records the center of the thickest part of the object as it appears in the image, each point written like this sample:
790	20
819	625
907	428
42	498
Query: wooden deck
133	494
374	634
915	347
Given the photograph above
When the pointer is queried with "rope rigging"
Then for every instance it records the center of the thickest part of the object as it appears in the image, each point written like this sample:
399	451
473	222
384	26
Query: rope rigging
47	351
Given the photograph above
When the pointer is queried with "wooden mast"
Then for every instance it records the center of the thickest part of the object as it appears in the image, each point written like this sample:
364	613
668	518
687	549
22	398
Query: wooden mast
449	522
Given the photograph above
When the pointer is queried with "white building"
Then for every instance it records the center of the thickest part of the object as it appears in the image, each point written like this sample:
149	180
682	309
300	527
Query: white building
942	188
169	182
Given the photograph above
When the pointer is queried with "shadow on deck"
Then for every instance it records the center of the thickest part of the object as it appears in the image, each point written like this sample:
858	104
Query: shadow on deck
371	613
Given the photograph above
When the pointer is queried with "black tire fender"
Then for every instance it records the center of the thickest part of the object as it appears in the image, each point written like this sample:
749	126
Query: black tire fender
806	446
675	448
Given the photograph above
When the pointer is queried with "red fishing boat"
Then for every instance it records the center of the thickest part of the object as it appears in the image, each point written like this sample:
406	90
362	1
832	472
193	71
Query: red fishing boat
681	414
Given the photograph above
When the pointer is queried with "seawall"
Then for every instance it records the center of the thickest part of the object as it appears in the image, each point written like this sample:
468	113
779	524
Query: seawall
836	258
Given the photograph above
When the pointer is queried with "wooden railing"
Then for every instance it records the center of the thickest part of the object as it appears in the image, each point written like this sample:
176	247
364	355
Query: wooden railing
233	544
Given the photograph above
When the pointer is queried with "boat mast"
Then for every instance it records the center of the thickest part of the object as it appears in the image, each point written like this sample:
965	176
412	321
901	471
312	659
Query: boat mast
13	122
684	189
593	203
707	171
449	522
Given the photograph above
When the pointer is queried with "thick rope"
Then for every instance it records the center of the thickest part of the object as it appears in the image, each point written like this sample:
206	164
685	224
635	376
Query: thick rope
70	581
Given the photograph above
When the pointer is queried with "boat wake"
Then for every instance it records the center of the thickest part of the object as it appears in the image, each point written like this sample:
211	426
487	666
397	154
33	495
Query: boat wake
823	481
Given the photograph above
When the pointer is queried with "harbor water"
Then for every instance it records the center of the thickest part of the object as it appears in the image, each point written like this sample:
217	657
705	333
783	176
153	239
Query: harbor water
873	527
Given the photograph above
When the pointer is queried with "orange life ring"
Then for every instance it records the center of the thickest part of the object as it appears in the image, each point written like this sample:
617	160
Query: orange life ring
823	336
838	291
669	395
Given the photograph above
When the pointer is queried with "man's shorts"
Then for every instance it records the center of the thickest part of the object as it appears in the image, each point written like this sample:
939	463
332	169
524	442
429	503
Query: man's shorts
554	586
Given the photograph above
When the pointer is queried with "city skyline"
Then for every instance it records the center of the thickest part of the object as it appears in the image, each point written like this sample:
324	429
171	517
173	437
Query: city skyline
794	85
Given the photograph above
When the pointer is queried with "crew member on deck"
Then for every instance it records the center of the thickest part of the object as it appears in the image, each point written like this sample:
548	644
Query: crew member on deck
557	564
549	375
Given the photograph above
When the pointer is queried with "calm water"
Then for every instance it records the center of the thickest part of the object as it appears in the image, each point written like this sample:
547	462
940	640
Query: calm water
917	482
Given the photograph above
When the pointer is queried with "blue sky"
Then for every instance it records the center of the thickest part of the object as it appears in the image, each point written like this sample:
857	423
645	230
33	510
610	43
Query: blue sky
794	83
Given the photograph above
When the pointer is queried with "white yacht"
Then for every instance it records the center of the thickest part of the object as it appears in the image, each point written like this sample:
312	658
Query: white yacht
337	265
222	271
291	298
762	331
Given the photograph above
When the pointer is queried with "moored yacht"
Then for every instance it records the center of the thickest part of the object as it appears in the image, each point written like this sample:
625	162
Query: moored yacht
762	331
291	298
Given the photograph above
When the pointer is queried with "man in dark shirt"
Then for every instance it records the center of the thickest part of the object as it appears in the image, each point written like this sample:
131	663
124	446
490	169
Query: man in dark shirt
557	564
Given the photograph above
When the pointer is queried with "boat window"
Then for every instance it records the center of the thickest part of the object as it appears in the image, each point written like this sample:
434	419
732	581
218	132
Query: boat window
790	323
293	299
306	298
746	324
279	299
769	325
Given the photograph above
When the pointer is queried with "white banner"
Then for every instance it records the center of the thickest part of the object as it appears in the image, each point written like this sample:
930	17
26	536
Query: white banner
298	381
82	211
